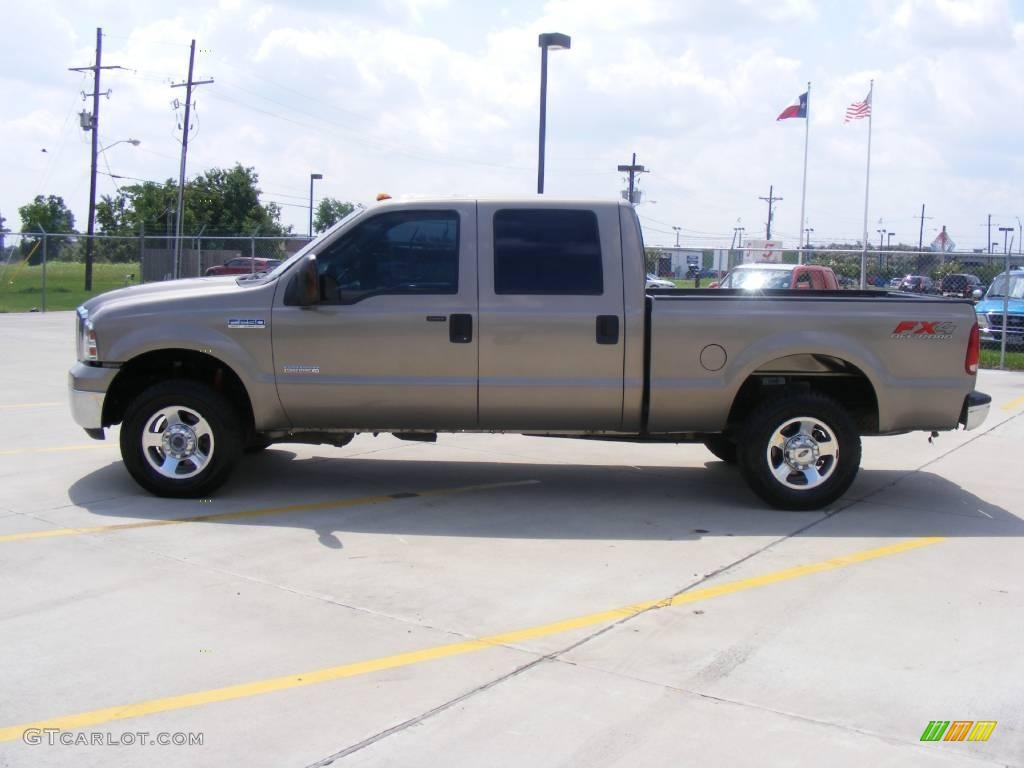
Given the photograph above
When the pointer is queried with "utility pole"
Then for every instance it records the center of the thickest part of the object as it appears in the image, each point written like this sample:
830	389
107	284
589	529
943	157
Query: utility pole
93	124
632	170
990	233
771	200
920	233
184	152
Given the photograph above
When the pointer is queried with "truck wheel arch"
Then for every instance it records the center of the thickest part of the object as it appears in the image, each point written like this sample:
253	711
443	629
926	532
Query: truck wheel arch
142	371
835	377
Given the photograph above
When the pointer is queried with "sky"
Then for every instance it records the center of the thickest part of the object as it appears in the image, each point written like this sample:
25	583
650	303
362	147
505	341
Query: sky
440	97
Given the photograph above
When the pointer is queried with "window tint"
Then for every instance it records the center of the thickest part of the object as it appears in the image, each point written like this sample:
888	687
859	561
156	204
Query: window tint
398	252
547	252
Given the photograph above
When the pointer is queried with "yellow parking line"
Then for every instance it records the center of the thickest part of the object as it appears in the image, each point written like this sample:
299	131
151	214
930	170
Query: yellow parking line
58	448
270	685
1017	401
15	406
289	509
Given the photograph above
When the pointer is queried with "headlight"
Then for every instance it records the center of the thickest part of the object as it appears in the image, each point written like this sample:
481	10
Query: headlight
86	337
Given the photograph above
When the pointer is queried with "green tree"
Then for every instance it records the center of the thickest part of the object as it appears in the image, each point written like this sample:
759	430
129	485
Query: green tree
330	212
53	216
220	201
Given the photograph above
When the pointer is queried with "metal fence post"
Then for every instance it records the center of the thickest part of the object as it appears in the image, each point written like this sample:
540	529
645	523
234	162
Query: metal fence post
1006	310
252	253
44	265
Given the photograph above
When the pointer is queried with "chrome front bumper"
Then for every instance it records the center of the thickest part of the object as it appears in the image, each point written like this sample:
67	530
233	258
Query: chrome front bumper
87	408
87	388
975	410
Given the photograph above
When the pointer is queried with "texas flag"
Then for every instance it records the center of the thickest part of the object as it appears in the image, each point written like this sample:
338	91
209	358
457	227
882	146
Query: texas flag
797	109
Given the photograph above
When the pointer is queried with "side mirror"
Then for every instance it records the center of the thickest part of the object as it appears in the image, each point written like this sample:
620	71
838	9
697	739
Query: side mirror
304	289
977	293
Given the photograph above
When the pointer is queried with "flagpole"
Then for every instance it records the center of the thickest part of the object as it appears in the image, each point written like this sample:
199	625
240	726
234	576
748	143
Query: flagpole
867	188
803	193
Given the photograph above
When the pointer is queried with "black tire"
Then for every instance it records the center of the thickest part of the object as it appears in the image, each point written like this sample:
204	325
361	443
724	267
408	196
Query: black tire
217	433
831	456
722	447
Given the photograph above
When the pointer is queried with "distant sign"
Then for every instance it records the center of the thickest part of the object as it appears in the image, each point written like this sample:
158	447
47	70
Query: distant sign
943	242
761	251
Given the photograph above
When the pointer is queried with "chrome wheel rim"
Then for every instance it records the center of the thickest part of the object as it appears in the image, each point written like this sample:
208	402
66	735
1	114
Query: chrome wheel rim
803	453
177	442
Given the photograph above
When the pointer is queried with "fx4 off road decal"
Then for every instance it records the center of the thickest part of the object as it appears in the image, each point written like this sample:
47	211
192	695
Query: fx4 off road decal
922	329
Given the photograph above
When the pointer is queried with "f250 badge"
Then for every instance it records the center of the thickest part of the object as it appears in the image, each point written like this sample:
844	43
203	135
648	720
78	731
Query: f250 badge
247	322
921	329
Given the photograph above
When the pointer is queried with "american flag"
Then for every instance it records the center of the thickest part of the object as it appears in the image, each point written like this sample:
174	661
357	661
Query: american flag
859	109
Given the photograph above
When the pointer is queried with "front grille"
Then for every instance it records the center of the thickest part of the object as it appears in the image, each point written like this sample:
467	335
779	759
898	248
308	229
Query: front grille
1013	322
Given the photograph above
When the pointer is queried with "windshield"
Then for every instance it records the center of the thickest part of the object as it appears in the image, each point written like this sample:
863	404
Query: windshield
999	286
281	267
757	279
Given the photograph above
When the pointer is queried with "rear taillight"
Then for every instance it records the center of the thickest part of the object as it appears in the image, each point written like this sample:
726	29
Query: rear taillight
973	352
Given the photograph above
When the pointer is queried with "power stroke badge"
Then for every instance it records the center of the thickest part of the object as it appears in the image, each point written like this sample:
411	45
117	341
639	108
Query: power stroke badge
247	322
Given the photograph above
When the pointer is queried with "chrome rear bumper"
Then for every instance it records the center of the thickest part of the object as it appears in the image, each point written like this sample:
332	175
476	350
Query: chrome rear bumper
975	410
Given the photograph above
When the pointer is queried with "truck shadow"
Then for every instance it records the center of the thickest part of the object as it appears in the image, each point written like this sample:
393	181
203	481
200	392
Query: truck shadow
563	501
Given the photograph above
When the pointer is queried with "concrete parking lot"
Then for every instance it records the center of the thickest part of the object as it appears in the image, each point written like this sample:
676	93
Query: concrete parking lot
501	600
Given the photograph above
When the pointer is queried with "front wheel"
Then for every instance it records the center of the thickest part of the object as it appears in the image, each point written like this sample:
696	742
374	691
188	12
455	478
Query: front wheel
799	452
180	439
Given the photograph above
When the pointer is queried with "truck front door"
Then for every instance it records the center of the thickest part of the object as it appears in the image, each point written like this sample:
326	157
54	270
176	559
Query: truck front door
393	341
551	317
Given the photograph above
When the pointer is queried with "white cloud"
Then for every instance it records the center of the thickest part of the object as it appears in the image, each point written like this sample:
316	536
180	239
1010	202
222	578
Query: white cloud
431	97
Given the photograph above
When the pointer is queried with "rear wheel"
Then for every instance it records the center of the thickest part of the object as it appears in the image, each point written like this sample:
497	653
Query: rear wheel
722	447
180	439
800	451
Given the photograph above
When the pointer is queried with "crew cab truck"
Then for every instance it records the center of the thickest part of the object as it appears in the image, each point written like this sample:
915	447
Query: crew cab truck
526	316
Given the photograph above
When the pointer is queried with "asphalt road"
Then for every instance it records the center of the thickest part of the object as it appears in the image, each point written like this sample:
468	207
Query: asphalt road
501	601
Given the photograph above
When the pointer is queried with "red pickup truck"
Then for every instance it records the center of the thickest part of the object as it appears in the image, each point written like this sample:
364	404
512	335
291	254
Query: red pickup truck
757	277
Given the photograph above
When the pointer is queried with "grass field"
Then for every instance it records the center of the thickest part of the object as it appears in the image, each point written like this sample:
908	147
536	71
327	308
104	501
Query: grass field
990	359
21	287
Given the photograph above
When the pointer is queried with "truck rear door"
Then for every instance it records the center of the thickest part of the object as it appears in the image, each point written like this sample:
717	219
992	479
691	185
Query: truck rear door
551	316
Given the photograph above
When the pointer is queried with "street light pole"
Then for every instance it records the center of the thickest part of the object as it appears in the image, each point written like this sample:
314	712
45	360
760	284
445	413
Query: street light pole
555	41
678	230
312	178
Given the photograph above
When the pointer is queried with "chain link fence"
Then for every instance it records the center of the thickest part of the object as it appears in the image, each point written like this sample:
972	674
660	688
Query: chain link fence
40	272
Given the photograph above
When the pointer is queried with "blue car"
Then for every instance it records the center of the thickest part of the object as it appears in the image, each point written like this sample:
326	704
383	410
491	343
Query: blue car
990	309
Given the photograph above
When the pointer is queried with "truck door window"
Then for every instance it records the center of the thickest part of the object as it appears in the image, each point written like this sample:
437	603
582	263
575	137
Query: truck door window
803	281
392	253
547	252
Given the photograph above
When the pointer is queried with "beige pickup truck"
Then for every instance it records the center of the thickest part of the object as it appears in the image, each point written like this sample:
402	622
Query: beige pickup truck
517	315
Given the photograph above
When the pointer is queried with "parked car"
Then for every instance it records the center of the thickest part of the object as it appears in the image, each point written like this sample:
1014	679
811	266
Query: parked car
990	310
552	333
961	285
917	284
759	277
243	265
653	281
894	282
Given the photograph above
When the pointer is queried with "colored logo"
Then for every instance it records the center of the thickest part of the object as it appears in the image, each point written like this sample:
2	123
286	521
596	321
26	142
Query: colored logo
958	730
919	329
